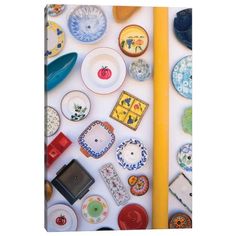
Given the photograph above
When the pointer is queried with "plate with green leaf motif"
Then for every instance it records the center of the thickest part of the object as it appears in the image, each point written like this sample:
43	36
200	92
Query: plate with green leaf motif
75	105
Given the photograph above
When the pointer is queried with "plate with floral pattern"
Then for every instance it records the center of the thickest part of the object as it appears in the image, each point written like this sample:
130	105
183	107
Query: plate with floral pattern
131	154
87	24
55	9
55	38
184	157
140	70
53	121
75	105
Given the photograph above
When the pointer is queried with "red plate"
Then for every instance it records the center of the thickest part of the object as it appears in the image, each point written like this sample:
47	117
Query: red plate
133	216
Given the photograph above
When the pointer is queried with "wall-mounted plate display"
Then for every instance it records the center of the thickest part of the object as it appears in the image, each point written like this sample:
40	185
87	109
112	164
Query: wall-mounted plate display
87	23
55	9
140	70
184	157
103	70
52	121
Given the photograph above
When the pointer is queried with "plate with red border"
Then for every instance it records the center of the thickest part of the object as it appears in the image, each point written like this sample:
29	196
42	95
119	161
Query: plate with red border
103	70
61	218
133	216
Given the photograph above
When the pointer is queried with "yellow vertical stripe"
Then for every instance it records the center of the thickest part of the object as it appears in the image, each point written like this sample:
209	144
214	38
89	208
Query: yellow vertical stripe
161	119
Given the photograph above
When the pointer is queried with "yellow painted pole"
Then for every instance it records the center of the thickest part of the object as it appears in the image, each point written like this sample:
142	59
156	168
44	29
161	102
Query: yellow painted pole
161	119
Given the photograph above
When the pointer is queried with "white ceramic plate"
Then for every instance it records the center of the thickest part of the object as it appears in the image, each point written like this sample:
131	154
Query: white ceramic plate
103	70
75	105
61	217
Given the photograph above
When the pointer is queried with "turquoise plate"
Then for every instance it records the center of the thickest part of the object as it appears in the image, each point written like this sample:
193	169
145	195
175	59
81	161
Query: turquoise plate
59	69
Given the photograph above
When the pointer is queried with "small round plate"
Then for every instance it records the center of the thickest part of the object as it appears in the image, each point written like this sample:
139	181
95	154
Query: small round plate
52	120
75	105
139	185
133	216
95	209
133	40
182	77
55	9
131	154
48	190
140	70
187	120
184	157
180	221
60	218
103	70
87	24
55	39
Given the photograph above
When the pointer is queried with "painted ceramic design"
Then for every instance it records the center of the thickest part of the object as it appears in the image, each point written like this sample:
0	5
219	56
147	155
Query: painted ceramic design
48	190
183	27
131	154
133	216
96	139
59	69
180	221
55	38
187	120
87	23
129	110
55	9
184	157
75	105
139	185
60	218
114	184
95	209
182	77
140	70
133	40
52	121
103	70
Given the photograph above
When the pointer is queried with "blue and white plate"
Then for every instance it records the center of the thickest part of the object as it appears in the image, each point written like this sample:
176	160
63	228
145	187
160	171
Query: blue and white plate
87	23
182	77
140	70
184	157
131	154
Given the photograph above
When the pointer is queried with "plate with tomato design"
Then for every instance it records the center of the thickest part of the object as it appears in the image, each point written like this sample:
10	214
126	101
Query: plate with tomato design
61	218
103	70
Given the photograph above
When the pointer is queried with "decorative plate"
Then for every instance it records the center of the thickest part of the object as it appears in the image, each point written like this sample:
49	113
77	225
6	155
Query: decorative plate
187	120
140	70
133	40
131	154
184	157
55	9
139	185
48	190
75	105
95	209
61	217
55	39
133	216
96	139
52	120
180	221
87	23
182	77
103	70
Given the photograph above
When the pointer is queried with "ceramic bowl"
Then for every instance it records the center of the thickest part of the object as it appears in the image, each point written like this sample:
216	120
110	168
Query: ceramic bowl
87	24
103	70
131	154
140	70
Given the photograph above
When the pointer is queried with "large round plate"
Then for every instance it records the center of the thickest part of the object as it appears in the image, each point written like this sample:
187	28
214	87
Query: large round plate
61	217
87	23
94	209
75	105
184	157
103	70
131	154
52	121
55	39
182	77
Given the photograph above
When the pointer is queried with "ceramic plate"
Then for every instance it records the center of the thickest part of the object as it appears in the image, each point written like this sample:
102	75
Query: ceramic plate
52	121
140	70
75	105
182	77
55	9
103	70
87	23
95	209
55	39
133	40
180	221
61	217
131	154
184	157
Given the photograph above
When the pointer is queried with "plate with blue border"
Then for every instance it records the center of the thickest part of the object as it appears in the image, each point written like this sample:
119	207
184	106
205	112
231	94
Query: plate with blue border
184	157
